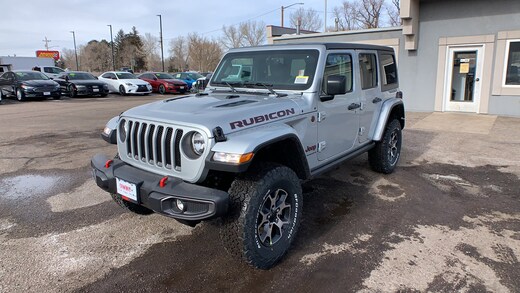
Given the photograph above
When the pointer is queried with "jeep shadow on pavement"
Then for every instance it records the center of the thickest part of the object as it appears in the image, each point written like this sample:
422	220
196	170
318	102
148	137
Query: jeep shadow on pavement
270	118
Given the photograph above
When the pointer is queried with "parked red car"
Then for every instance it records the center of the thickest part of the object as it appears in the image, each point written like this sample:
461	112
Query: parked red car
164	83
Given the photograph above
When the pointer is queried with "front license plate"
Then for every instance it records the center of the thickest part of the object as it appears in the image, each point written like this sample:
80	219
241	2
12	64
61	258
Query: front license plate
126	189
47	93
181	87
95	90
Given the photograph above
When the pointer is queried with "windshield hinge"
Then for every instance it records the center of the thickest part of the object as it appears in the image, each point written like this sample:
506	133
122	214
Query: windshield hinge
321	116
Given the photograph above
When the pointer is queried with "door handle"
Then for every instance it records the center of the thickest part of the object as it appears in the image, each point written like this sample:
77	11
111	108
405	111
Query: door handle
354	106
376	100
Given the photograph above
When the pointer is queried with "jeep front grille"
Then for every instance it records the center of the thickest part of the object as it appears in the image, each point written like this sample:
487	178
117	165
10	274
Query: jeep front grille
154	144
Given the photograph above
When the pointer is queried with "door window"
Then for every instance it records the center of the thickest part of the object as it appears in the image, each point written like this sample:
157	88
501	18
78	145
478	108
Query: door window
338	64
368	70
463	76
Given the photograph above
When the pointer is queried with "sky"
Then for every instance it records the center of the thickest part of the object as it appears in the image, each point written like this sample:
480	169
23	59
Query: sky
24	24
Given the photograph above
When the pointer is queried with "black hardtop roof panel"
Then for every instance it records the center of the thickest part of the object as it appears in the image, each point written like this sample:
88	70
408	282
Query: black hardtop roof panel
328	46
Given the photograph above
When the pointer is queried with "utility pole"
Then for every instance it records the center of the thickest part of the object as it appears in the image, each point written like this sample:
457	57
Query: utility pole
75	50
112	45
46	41
325	27
284	7
162	51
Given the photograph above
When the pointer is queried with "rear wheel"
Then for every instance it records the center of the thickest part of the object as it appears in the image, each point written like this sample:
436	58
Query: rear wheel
1	95
122	90
265	212
162	89
20	96
384	156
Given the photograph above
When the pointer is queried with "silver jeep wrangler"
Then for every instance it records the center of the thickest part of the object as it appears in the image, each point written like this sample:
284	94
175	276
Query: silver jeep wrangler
270	118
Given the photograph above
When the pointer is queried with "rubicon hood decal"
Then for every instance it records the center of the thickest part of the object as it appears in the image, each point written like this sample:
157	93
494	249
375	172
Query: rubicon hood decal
261	118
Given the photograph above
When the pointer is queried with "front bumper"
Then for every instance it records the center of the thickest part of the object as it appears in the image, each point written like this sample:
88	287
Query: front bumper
91	92
42	94
200	203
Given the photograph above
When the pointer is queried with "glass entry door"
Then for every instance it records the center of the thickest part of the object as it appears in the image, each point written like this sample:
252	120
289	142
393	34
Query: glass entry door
463	79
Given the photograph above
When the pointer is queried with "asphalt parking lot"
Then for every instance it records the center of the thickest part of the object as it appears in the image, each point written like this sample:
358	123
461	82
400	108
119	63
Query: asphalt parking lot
447	220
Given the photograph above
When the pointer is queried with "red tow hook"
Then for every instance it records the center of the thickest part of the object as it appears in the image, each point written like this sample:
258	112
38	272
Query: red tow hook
162	183
108	163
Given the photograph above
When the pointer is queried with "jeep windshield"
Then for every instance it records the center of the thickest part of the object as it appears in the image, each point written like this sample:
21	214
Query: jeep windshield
278	69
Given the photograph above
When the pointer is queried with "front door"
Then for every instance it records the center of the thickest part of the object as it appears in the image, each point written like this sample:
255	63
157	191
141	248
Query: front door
463	74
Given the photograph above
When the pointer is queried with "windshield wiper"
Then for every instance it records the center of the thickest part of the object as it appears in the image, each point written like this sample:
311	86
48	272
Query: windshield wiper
269	87
230	85
233	89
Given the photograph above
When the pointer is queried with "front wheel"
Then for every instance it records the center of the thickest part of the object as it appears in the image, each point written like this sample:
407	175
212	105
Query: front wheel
72	91
265	212
122	90
20	96
384	156
162	89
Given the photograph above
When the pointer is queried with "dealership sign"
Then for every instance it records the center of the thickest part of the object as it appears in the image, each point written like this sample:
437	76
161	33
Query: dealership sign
48	54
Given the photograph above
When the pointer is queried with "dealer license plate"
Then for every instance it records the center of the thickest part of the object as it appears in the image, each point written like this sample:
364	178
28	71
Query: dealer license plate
47	93
95	90
126	189
181	87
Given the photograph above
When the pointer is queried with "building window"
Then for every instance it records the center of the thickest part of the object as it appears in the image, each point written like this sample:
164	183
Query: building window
513	63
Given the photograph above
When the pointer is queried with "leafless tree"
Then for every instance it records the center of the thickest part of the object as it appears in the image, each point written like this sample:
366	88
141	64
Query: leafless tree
95	56
204	54
347	15
369	13
151	52
179	54
394	11
232	37
253	33
310	19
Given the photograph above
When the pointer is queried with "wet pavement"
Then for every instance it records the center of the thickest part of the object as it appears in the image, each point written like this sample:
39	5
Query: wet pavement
447	220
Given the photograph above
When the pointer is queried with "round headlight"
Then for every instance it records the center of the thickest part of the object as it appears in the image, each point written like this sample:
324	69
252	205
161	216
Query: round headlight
197	143
123	127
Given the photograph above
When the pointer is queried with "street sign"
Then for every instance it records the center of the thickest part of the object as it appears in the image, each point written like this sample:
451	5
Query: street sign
48	54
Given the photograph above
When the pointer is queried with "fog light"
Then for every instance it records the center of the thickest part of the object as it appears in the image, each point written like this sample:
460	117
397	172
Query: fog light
180	205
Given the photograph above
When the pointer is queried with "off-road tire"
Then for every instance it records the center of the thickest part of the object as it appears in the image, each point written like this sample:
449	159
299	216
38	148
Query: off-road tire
383	158
134	208
250	199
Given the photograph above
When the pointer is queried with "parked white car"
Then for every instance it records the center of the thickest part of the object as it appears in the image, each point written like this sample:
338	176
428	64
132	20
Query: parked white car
125	83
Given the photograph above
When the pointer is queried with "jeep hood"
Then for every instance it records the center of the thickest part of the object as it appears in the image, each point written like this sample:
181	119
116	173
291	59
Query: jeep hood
231	111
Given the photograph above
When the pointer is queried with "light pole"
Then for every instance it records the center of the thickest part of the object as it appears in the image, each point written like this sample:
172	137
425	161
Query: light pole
75	50
112	45
162	51
284	7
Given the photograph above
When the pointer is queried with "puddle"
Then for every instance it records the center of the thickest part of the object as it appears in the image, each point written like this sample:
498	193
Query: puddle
26	186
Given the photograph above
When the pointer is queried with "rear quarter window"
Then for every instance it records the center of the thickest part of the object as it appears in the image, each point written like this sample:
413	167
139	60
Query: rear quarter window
389	78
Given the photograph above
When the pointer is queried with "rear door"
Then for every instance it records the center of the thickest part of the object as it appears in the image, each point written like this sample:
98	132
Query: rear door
370	96
338	120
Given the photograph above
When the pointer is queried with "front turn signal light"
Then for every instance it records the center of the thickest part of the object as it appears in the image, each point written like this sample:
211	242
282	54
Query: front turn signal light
232	158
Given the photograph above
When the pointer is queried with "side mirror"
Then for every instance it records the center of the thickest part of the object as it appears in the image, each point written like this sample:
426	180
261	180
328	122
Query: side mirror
154	78
336	85
66	78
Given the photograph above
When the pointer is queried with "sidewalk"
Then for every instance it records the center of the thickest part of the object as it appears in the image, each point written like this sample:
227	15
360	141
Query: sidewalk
462	139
